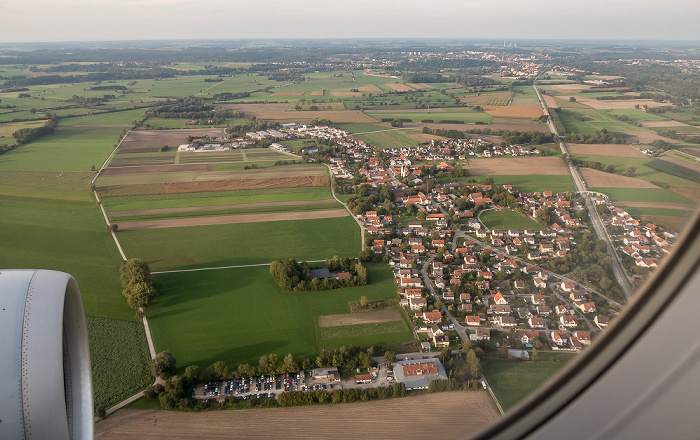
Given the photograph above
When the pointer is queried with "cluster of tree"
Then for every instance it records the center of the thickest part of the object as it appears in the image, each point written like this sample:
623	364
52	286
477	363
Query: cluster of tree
517	137
251	125
114	73
190	108
229	96
600	137
452	134
293	276
26	135
423	77
109	87
138	289
472	80
344	395
474	67
285	162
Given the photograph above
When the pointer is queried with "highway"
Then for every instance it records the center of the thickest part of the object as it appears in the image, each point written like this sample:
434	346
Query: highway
618	269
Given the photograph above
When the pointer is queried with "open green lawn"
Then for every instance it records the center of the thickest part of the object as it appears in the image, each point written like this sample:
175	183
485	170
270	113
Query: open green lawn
243	243
507	220
224	211
659	195
215	198
511	382
238	315
66	234
126	118
635	114
643	171
69	148
364	334
119	355
640	211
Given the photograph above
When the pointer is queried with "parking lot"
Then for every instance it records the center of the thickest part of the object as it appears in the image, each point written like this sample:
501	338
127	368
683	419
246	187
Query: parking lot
270	386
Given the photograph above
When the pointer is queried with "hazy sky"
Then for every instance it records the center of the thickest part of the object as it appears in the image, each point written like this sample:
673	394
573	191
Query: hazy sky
86	20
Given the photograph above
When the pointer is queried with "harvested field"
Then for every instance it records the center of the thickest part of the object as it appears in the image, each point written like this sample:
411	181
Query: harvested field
513	112
550	166
619	150
399	87
154	169
569	88
316	93
369	88
345	93
359	318
550	101
240	205
526	102
212	186
665	124
301	93
497	98
231	219
647	137
690	192
656	205
338	116
692	151
672	223
595	179
386	419
255	109
424	137
614	104
681	162
420	86
498	123
140	139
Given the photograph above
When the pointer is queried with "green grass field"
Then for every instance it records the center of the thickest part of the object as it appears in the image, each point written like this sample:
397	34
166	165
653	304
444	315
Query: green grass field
674	170
120	357
659	195
507	220
125	118
640	211
462	115
511	382
69	148
389	138
67	235
244	243
524	183
238	315
215	198
643	171
224	211
364	334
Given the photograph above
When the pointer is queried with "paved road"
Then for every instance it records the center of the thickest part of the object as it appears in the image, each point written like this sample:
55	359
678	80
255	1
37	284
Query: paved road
426	279
618	268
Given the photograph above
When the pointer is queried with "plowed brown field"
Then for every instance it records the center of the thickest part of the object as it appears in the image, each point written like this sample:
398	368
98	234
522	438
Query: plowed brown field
418	417
619	150
600	179
551	166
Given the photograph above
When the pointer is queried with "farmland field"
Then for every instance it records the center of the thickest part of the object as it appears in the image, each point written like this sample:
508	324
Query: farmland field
507	220
511	382
643	171
164	201
66	234
119	355
69	148
386	419
461	115
221	245
365	334
517	166
238	315
650	195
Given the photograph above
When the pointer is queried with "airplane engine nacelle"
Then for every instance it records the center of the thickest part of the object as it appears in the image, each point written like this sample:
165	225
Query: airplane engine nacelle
46	390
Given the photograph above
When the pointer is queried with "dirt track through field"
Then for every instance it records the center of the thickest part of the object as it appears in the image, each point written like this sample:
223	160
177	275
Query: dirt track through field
231	219
417	417
359	318
204	208
549	166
